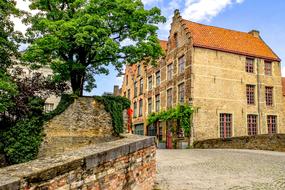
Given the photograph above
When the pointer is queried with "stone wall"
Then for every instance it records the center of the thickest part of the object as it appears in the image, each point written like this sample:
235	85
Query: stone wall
219	81
128	163
82	123
260	142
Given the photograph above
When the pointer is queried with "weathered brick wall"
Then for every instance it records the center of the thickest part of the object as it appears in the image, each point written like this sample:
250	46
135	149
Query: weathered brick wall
128	163
82	123
260	142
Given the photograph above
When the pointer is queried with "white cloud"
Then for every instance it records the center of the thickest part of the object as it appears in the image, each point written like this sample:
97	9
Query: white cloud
149	2
205	10
22	5
195	10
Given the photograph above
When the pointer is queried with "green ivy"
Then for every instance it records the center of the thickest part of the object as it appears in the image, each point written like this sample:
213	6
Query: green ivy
180	112
115	105
20	141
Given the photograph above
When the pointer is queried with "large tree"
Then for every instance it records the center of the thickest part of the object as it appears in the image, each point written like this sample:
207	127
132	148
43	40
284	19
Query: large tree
80	38
8	49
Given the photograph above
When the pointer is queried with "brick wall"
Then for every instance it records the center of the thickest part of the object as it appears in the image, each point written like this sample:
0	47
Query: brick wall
128	163
260	142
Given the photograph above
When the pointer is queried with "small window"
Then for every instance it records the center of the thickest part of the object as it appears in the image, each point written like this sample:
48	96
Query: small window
181	93
135	89
169	71
127	79
150	83
149	106
181	64
129	93
267	68
135	109
269	95
157	103
139	129
175	40
141	86
157	75
249	66
252	124
139	70
125	94
250	94
169	98
272	124
140	108
225	125
48	107
151	130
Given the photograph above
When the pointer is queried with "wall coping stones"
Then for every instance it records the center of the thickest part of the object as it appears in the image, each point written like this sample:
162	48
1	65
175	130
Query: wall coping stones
44	169
274	142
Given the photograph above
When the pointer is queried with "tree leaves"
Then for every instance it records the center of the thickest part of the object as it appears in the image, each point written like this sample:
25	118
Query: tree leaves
89	33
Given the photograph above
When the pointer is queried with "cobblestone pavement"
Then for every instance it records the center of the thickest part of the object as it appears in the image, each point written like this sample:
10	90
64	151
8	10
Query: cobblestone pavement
220	169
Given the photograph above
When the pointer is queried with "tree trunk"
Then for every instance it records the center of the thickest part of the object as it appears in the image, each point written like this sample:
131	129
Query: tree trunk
77	82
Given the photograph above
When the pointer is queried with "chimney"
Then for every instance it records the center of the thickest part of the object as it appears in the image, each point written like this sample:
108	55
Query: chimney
116	90
254	33
176	12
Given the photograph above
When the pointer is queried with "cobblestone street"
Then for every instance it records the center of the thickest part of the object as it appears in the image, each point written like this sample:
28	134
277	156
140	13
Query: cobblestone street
220	169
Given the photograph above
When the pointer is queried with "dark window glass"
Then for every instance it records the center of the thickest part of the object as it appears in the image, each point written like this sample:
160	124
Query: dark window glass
252	124
272	124
225	125
267	68
249	66
181	93
169	98
181	64
269	95
157	103
250	94
157	75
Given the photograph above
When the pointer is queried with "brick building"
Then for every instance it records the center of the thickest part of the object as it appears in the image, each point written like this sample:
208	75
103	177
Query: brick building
232	78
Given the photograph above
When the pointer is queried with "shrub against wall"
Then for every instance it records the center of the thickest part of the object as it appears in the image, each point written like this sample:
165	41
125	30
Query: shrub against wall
115	105
21	140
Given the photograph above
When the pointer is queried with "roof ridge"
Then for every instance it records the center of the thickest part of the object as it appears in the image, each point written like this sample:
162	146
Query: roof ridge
218	27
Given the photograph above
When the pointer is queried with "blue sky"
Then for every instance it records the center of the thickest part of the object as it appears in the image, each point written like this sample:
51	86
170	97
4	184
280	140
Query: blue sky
267	16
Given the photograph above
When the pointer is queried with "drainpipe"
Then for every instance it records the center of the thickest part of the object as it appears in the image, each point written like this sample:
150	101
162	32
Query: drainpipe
258	96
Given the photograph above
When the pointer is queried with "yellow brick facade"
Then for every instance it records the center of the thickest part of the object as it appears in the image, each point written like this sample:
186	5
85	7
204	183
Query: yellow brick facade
214	81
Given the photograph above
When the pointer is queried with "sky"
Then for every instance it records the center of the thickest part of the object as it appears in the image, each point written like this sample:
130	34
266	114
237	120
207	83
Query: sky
266	16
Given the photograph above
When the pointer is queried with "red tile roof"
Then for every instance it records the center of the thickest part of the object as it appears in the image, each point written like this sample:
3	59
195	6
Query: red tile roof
283	85
229	41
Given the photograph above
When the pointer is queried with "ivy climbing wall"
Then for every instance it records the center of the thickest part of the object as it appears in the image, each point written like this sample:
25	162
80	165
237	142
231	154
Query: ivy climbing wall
84	122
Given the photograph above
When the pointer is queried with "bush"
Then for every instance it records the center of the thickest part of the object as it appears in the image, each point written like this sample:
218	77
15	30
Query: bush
22	141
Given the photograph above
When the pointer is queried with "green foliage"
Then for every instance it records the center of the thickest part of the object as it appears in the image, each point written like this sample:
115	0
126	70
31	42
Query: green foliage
8	89
80	38
22	141
8	37
115	106
65	101
180	112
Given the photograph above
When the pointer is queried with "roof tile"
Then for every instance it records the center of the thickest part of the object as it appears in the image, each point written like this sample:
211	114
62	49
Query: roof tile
229	41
